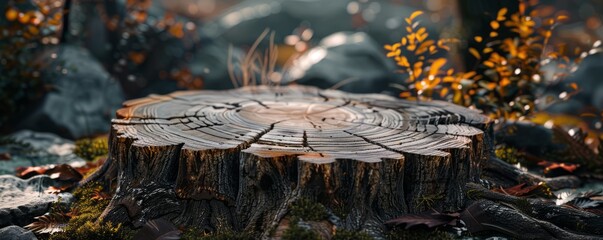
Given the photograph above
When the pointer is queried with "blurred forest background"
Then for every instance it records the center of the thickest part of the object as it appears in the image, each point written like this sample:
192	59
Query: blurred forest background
66	66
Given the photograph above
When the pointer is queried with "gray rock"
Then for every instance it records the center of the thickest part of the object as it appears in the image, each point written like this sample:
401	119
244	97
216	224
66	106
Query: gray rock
37	149
531	137
84	96
22	200
16	233
344	56
210	62
243	23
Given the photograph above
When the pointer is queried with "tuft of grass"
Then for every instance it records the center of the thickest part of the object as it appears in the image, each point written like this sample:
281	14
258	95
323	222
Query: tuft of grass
418	234
507	154
85	222
195	234
342	234
91	148
295	232
308	210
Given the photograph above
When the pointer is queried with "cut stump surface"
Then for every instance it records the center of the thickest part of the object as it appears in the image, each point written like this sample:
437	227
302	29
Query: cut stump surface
238	158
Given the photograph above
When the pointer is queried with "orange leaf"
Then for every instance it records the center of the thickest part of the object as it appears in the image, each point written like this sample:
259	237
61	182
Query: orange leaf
177	30
415	14
469	75
405	94
475	53
444	92
408	21
562	17
403	62
11	14
493	34
501	14
478	39
449	79
495	25
574	86
436	65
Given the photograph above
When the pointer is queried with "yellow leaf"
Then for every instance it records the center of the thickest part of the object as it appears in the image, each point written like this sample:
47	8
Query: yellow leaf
493	34
415	14
403	41
33	30
443	92
501	14
488	50
495	25
491	86
421	31
405	94
24	18
409	29
177	30
489	64
450	72
424	47
403	62
562	17
475	53
393	54
11	14
469	75
393	47
478	39
436	65
408	21
417	73
504	82
449	79
422	37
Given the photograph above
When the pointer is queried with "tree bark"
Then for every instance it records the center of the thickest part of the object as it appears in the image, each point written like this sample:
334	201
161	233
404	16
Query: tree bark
238	158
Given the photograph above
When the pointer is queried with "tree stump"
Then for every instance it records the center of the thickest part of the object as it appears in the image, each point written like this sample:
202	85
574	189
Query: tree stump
238	158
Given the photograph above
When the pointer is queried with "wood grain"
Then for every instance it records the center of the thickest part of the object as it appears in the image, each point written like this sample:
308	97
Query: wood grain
237	158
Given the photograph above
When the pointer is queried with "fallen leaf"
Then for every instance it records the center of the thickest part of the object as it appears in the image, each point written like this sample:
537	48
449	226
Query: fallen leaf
28	172
64	172
521	190
5	156
553	169
49	223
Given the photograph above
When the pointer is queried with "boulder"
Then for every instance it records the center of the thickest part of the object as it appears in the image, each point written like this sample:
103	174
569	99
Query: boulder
30	148
16	233
82	99
22	200
345	56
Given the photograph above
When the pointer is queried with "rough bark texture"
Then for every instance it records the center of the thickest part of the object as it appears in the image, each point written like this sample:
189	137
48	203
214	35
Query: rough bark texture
238	158
536	219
